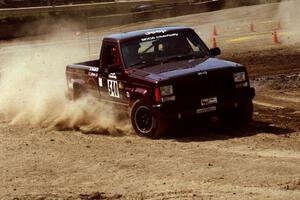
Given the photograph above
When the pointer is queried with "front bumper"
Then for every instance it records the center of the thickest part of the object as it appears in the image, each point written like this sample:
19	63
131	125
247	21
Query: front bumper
174	110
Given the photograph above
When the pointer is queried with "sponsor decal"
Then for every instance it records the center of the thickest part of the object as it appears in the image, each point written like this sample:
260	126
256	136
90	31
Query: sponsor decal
202	73
159	37
93	69
147	39
112	75
156	32
100	82
92	74
167	35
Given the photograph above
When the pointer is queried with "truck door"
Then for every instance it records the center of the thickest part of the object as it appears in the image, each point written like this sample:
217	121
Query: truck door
112	84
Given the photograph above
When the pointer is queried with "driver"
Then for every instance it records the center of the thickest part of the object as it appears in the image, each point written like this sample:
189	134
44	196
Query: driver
176	46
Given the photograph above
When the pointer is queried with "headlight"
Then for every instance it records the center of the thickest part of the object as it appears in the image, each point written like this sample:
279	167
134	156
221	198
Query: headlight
166	90
239	77
241	85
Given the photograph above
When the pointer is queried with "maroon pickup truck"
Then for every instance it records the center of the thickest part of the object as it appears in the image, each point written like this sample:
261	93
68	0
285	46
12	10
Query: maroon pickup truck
162	75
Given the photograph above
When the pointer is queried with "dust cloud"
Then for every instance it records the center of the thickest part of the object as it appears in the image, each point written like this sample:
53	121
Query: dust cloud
33	86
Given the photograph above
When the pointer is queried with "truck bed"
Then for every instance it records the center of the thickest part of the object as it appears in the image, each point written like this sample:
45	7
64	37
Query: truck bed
84	65
84	74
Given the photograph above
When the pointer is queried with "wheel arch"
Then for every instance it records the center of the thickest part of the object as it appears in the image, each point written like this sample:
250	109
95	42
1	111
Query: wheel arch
139	94
141	120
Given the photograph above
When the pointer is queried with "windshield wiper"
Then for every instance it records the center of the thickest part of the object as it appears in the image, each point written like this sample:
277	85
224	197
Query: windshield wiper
181	57
143	64
138	63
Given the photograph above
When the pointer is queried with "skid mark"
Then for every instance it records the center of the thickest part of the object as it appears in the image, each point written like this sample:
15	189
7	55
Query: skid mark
288	99
267	104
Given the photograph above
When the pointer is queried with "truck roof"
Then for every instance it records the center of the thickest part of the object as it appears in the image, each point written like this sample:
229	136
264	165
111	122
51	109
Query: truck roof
120	37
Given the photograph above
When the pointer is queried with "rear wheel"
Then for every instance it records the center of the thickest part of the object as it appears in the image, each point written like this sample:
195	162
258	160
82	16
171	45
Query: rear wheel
77	92
144	123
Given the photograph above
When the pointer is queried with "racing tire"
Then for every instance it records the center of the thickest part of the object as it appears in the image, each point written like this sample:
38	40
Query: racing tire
145	123
245	113
239	117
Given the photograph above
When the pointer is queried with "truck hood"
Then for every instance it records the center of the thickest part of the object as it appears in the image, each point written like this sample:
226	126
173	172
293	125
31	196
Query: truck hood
181	68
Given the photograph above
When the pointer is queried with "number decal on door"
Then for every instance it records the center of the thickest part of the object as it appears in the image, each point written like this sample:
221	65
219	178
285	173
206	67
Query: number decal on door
113	89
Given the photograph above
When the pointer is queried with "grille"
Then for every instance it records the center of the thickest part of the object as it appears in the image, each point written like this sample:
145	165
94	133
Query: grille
190	90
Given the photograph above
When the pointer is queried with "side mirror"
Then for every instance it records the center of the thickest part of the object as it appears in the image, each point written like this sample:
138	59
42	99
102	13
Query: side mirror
215	51
114	68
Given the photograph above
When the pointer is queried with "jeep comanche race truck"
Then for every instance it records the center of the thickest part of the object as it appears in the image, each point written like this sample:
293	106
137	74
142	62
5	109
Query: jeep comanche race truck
161	75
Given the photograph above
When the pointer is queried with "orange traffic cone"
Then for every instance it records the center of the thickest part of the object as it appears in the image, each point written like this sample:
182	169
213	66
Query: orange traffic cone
213	42
215	33
251	27
275	38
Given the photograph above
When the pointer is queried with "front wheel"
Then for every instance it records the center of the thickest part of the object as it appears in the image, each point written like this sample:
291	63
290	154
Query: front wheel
245	112
144	123
241	116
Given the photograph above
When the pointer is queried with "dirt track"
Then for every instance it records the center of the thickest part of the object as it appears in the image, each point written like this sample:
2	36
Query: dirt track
199	161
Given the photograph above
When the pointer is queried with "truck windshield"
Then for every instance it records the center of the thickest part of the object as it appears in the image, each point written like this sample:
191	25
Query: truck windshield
152	49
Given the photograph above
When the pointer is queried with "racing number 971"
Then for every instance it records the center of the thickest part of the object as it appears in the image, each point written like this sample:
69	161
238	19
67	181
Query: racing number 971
113	89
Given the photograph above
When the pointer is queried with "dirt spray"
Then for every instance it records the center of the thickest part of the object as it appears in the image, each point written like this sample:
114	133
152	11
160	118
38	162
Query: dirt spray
33	86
